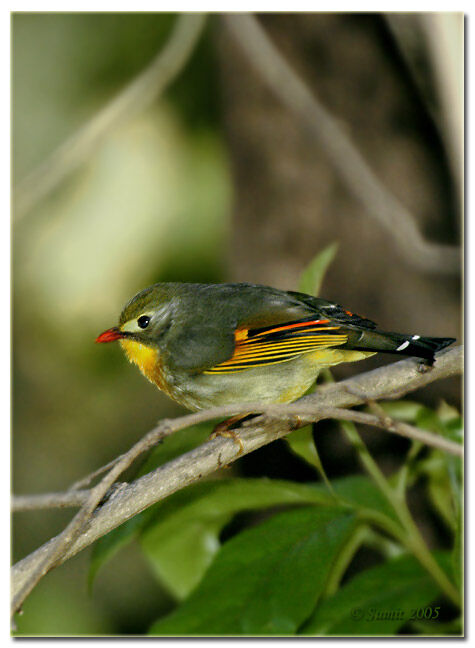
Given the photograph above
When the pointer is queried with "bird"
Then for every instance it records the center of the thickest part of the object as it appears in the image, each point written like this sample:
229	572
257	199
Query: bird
207	345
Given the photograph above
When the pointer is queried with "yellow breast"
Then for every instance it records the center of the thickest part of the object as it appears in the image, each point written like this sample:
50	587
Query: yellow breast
147	360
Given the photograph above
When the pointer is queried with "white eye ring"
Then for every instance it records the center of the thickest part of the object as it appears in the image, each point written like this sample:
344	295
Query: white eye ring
133	326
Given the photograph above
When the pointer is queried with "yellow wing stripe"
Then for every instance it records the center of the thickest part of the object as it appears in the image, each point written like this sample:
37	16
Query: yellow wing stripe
273	352
310	339
270	350
238	367
290	345
257	344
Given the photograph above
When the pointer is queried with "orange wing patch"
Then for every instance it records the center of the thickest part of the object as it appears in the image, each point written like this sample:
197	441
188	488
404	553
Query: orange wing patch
272	345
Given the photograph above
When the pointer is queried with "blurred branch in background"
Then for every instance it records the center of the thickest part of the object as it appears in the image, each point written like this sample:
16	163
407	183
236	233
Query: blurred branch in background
277	421
441	37
445	38
360	179
135	98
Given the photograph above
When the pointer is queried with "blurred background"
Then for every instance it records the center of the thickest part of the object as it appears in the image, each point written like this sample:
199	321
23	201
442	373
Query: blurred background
214	180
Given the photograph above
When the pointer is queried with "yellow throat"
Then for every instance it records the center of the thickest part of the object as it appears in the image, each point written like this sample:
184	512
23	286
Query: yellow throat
146	359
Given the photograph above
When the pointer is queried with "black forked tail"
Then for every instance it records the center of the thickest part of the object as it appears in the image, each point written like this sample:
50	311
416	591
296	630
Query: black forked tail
400	344
421	347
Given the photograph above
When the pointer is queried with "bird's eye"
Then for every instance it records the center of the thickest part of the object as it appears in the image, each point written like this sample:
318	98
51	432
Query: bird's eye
143	321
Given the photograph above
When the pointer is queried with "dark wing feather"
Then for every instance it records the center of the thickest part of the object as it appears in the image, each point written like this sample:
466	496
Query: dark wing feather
333	311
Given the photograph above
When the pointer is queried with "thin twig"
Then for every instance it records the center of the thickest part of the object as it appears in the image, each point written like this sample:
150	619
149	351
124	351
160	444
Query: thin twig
85	481
135	98
48	500
400	377
416	434
385	423
380	203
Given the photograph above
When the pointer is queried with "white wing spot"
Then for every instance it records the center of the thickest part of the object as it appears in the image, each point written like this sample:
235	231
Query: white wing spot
403	346
416	337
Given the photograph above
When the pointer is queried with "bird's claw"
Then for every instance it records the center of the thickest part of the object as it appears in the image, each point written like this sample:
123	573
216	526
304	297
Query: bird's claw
223	430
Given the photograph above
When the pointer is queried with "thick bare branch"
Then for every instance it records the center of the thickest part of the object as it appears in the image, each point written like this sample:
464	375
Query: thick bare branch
391	381
380	203
135	98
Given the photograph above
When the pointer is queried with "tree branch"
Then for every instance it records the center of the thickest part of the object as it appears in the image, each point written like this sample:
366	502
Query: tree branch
21	503
403	429
307	414
380	203
391	381
135	98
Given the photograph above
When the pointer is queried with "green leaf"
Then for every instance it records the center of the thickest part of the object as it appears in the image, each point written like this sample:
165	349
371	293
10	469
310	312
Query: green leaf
362	493
443	470
377	601
457	551
312	277
302	443
402	410
446	420
441	497
180	535
447	413
107	546
267	579
182	539
443	629
427	419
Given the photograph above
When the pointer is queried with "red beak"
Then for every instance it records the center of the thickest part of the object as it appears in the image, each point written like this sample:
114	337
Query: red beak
110	335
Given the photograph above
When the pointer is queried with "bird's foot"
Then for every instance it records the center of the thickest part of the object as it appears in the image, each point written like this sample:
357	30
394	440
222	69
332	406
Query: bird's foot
225	429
